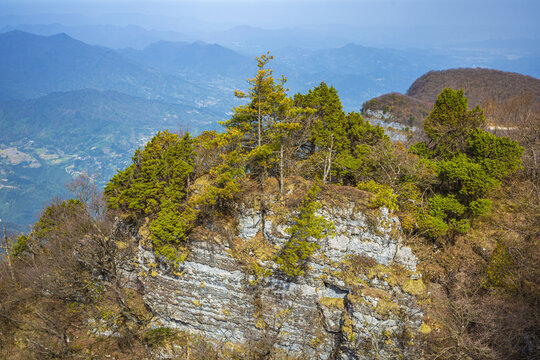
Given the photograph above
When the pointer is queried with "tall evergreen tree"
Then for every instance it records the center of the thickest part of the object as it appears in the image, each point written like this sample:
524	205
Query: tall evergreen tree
264	121
264	94
447	126
328	130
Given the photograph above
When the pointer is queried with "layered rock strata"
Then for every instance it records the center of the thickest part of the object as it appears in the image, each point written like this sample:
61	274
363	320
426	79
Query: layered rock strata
358	297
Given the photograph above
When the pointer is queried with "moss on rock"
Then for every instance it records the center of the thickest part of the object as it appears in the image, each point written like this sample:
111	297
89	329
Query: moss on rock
335	303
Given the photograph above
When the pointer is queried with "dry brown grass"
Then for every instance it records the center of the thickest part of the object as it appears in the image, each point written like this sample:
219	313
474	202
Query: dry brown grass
495	91
479	85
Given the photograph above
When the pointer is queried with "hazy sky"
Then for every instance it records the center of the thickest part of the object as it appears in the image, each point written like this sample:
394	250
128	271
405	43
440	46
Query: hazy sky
389	19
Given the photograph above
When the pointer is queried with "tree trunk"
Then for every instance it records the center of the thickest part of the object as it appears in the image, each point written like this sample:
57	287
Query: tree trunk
7	248
188	186
280	166
259	115
328	161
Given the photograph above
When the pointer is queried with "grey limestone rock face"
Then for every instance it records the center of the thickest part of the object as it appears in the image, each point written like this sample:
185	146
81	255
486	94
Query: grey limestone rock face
394	129
357	298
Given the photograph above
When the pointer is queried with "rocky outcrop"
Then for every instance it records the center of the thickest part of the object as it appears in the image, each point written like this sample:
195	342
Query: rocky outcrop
396	130
359	296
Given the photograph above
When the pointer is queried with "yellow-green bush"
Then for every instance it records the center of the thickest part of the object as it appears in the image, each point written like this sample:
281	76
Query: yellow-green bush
384	195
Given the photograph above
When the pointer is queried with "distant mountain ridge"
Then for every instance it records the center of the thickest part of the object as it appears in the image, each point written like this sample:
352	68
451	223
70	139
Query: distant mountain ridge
357	72
112	36
197	58
33	66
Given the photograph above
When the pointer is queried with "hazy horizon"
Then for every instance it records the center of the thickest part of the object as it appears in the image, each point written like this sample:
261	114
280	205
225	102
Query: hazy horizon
398	23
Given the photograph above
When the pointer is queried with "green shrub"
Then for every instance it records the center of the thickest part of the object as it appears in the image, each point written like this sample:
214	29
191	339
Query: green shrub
21	247
421	149
465	178
54	216
225	181
499	156
445	206
307	226
384	195
444	217
170	228
480	207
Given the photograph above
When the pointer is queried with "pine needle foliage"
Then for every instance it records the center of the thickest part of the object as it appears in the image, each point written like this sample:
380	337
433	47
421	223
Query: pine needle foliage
306	229
156	185
469	163
158	171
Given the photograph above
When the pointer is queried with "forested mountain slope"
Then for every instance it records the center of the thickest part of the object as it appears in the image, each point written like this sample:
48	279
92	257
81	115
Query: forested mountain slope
300	230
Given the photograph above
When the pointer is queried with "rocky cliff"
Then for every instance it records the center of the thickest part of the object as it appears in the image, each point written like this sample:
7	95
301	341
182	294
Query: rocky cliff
360	297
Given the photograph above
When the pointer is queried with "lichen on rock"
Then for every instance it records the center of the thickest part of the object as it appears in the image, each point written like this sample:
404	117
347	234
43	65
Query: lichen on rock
358	295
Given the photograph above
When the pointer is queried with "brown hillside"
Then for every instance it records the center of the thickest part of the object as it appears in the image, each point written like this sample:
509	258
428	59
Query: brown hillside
480	85
405	109
510	101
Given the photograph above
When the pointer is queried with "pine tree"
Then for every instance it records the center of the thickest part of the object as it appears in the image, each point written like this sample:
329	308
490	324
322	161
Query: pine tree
468	161
355	160
328	130
307	226
265	122
447	126
264	93
156	186
164	165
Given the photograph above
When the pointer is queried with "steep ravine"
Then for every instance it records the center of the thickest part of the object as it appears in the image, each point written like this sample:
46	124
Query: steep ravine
359	297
